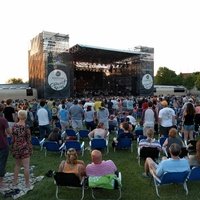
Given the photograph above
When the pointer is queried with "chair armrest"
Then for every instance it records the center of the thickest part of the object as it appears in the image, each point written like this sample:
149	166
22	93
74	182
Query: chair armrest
82	145
42	141
154	176
62	146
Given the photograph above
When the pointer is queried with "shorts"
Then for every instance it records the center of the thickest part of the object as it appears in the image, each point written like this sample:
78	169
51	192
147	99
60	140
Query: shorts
188	127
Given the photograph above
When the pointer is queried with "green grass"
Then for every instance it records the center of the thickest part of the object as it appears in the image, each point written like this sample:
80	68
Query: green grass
134	186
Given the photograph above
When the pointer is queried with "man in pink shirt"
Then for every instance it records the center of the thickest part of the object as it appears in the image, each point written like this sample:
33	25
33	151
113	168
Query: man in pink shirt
100	167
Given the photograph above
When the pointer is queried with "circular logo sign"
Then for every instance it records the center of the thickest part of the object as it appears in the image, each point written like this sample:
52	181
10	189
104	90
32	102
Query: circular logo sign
57	79
147	81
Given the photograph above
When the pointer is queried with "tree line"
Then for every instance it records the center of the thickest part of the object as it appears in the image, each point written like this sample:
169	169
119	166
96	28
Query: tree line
165	76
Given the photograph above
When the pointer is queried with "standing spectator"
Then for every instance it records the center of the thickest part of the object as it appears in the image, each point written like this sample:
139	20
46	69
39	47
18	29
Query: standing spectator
54	112
76	114
4	148
63	115
89	116
149	118
44	118
188	122
166	118
9	113
102	115
21	147
197	116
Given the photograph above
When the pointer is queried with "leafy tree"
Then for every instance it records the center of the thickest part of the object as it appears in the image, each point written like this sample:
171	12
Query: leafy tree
189	81
197	82
15	81
166	76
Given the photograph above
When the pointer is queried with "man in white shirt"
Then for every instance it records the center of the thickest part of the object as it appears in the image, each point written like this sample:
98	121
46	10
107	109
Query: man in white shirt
166	118
44	118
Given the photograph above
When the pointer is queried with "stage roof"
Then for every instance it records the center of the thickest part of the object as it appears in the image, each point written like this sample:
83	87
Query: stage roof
92	54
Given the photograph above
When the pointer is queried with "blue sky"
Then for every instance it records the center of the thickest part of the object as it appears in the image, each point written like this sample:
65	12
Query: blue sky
170	26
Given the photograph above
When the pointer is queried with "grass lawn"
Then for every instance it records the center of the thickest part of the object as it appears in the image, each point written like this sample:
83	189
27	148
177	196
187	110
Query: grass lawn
134	186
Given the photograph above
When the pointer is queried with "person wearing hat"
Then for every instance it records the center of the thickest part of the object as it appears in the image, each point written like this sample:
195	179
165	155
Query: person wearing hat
166	119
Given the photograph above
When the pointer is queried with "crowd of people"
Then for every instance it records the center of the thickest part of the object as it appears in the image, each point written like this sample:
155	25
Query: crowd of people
176	119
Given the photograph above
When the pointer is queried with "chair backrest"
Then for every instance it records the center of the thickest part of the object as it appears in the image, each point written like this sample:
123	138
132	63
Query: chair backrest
83	133
194	174
70	132
184	153
162	140
138	132
99	143
67	179
73	144
124	143
151	152
141	137
51	146
35	141
174	177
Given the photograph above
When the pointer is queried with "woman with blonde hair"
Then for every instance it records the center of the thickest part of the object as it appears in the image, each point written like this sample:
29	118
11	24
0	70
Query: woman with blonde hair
21	147
72	164
194	160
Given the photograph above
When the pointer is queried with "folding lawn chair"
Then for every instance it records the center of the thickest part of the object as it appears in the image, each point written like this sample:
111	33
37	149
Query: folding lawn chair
107	182
145	152
68	180
52	146
194	174
124	143
171	178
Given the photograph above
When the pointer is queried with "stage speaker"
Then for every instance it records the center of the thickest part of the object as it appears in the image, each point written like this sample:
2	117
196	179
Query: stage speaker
29	92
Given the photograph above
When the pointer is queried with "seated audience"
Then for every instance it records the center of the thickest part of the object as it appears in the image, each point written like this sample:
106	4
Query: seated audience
173	138
100	167
98	132
150	141
123	133
194	160
55	135
173	164
72	164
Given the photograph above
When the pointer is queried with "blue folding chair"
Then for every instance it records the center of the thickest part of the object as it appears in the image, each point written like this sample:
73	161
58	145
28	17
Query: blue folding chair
76	145
138	132
52	146
99	143
124	143
35	141
171	178
194	174
83	133
70	133
162	140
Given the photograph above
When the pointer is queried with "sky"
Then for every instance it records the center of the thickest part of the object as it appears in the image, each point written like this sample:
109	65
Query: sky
171	27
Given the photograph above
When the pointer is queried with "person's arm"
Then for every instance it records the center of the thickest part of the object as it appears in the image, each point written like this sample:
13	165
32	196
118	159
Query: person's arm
61	166
165	143
91	135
